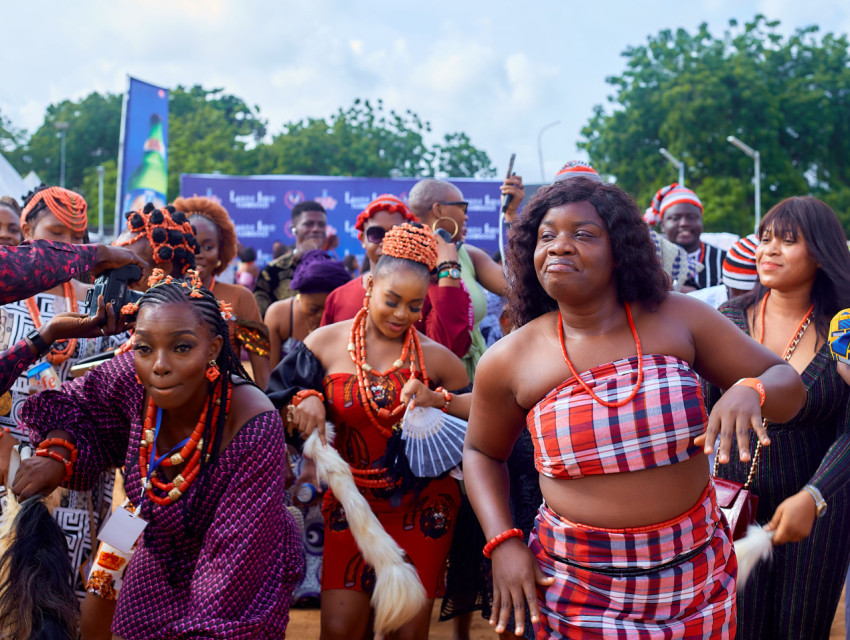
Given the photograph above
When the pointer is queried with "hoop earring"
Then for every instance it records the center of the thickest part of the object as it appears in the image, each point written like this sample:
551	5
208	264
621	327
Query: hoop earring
439	220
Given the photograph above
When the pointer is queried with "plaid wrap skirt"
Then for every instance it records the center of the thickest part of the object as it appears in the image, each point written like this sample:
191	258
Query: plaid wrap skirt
675	579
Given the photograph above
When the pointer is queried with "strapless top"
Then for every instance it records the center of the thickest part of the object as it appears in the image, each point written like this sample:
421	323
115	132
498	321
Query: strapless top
575	436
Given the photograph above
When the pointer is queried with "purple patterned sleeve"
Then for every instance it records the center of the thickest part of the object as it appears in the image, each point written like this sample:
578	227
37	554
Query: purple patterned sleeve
13	362
33	267
251	556
97	410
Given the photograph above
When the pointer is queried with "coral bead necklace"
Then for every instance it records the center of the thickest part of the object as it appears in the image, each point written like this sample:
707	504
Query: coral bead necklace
357	350
190	453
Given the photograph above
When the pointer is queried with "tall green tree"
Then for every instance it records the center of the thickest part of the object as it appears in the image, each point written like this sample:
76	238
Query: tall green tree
212	131
366	139
787	96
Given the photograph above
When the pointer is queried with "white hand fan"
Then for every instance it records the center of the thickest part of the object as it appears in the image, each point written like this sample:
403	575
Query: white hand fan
433	440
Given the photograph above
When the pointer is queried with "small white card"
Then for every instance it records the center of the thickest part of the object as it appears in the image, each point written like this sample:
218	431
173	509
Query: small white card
122	530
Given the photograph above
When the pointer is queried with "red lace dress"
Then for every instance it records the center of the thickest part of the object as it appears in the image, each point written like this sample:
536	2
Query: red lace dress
423	522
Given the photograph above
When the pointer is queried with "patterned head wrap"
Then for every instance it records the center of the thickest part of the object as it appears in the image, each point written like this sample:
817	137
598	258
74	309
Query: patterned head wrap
739	266
665	198
318	273
577	169
411	241
386	202
171	237
68	206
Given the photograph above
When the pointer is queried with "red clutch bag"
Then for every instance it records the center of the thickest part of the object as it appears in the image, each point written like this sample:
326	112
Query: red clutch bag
736	501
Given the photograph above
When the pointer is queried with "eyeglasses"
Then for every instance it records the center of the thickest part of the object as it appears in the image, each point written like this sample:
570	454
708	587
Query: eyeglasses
463	204
375	234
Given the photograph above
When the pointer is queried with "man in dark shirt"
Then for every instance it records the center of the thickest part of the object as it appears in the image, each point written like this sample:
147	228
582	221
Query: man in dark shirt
309	225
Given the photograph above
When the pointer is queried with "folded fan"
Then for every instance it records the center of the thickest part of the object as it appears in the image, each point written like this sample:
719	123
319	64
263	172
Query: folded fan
433	441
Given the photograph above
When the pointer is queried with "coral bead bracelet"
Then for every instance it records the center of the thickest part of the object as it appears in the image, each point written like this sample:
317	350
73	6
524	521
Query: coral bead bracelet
499	539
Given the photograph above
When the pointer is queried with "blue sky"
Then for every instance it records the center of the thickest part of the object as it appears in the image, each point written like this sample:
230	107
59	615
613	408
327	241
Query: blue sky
498	71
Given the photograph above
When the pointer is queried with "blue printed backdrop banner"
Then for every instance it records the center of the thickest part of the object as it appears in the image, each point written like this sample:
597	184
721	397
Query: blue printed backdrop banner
145	161
261	206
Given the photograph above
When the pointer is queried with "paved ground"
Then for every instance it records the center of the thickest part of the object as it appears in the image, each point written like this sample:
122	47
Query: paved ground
304	625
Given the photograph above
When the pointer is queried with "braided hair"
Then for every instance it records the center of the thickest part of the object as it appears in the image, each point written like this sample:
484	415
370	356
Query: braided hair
209	311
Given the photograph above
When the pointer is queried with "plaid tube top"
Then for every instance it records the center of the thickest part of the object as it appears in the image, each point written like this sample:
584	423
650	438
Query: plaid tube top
575	436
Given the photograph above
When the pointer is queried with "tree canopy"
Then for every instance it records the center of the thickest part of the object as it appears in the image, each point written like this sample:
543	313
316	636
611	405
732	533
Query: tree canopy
212	131
786	96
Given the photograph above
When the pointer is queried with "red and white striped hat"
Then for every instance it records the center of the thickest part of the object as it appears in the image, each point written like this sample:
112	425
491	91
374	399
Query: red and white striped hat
739	265
577	169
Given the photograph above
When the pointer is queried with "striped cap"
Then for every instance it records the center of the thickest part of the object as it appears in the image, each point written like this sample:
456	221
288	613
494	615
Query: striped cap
739	266
672	194
577	169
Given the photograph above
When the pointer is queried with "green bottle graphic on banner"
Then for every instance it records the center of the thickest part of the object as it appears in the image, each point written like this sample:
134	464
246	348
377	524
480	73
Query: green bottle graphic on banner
149	180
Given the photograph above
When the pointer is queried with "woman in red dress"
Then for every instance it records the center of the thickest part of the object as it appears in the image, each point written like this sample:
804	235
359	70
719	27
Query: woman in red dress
369	369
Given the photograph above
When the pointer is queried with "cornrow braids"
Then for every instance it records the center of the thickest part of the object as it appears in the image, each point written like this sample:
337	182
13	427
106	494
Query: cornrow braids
411	241
385	202
211	311
68	206
171	237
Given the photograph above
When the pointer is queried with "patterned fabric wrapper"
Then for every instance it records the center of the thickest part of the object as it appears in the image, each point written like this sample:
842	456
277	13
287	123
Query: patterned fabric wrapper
575	436
253	336
675	579
107	574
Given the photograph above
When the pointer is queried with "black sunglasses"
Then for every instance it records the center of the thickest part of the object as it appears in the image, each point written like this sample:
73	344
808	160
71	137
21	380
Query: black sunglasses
375	234
463	204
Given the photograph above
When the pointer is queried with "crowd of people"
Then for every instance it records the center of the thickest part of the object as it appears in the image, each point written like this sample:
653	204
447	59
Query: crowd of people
608	376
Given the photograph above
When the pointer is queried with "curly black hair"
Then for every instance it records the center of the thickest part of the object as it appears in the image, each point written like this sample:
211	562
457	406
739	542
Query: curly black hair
639	275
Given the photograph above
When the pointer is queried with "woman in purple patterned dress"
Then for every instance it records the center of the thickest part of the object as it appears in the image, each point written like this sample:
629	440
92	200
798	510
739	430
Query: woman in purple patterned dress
220	554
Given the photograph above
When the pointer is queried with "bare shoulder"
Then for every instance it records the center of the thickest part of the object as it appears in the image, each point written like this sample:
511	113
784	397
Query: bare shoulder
679	307
509	354
328	338
277	309
248	401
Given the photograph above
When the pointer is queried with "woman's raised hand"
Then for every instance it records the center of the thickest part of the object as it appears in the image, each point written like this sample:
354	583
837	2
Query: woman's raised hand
737	411
421	395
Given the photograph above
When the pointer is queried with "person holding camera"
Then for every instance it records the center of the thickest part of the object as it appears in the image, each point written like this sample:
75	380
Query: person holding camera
48	330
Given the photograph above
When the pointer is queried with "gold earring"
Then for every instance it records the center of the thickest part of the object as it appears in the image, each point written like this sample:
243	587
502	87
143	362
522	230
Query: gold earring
452	220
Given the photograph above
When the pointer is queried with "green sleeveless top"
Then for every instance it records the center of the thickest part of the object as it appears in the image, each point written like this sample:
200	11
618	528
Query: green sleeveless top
479	307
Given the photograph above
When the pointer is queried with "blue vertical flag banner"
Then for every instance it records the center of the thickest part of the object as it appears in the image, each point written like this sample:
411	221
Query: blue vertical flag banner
143	168
261	206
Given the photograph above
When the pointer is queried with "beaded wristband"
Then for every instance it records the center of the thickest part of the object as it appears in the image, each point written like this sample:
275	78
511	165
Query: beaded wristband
448	264
69	466
499	539
447	396
4	431
756	385
306	393
60	442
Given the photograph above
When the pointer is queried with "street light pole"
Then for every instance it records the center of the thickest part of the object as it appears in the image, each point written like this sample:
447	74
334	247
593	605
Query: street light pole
100	172
540	147
676	163
756	156
63	127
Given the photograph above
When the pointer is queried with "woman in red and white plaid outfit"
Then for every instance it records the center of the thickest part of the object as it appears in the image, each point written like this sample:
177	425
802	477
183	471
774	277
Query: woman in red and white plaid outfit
629	541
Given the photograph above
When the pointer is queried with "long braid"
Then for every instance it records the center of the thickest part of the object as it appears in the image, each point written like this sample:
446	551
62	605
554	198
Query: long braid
207	306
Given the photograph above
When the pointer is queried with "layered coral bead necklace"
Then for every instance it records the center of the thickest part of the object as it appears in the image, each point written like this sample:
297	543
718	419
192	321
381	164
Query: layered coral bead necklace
357	350
58	355
190	452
